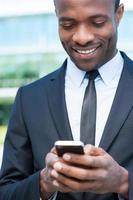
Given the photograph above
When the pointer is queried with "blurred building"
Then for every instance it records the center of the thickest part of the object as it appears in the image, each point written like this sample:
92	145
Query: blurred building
30	47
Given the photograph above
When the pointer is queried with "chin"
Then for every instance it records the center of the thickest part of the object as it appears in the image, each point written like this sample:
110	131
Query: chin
86	67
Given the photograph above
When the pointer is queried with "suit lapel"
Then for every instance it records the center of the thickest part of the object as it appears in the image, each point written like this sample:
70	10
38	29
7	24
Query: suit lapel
57	104
122	104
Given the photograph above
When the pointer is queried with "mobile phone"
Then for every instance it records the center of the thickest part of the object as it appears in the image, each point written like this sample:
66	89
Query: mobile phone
69	146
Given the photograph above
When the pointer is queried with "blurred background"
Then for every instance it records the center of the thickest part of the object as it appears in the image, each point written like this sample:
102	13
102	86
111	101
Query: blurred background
30	47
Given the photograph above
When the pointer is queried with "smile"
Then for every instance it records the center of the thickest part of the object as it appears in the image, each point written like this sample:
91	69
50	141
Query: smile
86	51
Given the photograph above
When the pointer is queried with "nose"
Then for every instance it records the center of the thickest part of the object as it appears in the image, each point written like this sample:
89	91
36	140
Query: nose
83	35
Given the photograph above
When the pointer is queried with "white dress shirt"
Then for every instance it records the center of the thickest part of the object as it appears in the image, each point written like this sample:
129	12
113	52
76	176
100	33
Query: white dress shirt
106	84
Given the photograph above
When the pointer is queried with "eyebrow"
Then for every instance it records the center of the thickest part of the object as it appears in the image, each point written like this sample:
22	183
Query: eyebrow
66	19
99	16
92	17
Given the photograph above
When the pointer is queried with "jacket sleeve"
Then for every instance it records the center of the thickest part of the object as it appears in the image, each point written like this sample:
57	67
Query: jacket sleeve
131	186
18	178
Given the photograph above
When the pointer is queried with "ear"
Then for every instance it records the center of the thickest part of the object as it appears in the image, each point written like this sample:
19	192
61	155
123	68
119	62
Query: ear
119	13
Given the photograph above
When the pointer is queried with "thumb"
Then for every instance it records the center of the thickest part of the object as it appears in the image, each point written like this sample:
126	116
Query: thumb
93	151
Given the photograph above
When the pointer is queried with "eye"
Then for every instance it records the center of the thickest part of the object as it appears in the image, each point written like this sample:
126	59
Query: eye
66	25
99	23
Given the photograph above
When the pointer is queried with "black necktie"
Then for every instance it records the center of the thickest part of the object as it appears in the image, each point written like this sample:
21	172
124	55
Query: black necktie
88	113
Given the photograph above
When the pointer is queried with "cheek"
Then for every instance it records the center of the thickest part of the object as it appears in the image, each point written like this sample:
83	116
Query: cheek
65	36
108	33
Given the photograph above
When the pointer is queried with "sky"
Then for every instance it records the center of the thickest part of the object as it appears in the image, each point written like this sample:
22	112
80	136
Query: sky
9	7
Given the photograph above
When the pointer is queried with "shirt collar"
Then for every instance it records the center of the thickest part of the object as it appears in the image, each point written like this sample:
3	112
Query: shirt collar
74	74
108	71
111	69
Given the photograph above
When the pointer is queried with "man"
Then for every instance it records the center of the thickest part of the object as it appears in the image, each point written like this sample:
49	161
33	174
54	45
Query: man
50	110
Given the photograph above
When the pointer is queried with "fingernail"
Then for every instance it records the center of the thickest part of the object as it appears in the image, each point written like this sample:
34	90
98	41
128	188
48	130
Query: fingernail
55	183
66	157
54	174
57	166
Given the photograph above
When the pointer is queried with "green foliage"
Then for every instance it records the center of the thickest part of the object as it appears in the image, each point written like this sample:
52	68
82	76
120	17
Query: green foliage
2	134
10	68
19	70
22	69
5	109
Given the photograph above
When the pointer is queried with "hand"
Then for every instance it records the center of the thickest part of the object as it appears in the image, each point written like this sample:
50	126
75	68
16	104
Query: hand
95	171
47	188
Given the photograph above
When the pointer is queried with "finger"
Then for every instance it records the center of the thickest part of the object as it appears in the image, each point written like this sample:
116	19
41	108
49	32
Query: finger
53	150
85	160
52	182
73	184
46	172
50	159
82	174
61	187
93	151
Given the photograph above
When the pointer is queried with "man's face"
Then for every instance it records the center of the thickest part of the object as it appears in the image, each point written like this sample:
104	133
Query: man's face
88	30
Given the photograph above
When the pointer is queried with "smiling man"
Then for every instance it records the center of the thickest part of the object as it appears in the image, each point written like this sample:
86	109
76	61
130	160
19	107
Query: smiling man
88	30
65	105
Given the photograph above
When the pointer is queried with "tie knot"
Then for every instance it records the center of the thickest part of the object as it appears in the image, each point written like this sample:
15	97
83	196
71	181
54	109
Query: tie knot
91	75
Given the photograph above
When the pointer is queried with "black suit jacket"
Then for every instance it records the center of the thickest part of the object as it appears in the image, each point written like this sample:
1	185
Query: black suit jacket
39	118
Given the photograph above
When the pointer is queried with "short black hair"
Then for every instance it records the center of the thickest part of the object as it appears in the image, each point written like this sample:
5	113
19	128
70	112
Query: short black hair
117	3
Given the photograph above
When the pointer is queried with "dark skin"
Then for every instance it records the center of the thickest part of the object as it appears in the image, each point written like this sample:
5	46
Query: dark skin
95	171
90	40
94	30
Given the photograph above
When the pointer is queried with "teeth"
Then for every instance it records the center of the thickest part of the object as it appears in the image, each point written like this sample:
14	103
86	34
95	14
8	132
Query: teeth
86	52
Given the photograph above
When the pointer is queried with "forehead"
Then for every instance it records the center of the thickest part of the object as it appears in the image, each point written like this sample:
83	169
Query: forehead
84	6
